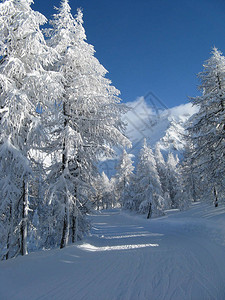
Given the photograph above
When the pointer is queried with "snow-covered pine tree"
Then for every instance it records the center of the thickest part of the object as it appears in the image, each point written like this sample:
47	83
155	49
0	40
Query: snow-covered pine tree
99	192
190	179
122	178
177	198
207	129
23	84
162	171
107	191
89	121
147	188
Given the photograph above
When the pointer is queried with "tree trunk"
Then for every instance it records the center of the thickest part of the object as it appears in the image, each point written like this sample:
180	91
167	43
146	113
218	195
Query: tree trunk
98	202
76	195
74	216
149	211
7	256
23	228
74	224
65	232
216	197
63	239
193	187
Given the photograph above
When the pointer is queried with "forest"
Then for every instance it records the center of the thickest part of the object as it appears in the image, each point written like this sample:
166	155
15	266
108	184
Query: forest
60	115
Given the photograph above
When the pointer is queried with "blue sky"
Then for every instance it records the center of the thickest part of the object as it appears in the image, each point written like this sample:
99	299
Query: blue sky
151	45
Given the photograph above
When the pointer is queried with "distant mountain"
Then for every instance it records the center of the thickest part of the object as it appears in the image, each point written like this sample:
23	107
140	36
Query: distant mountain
165	127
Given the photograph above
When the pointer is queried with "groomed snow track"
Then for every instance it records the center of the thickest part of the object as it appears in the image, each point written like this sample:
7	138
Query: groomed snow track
179	256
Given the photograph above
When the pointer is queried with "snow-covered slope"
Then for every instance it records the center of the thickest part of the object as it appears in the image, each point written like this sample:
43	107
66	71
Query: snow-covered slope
165	127
126	257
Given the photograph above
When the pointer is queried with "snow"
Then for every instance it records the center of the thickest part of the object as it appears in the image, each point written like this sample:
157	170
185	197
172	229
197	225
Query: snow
177	256
165	127
144	122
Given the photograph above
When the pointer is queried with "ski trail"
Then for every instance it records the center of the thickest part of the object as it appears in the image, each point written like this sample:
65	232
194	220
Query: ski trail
126	258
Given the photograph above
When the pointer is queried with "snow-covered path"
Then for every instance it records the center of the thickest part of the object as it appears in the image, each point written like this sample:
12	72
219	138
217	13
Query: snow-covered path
179	256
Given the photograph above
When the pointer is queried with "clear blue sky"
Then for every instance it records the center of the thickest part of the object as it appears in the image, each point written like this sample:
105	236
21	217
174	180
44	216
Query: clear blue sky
151	45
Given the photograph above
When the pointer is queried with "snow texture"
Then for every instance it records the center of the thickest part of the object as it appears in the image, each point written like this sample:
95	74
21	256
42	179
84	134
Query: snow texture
165	128
127	257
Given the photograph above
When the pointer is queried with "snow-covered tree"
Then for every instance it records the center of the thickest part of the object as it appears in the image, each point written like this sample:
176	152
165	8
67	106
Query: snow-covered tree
104	192
162	171
147	189
123	176
24	83
189	172
173	178
89	121
97	184
207	126
178	193
107	185
14	200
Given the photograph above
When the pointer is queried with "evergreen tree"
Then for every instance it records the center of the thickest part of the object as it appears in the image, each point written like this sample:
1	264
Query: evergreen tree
162	171
89	121
107	185
174	182
147	188
122	178
189	173
24	82
207	127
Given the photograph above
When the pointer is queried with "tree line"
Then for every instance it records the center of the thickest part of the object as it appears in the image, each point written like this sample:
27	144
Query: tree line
158	185
154	186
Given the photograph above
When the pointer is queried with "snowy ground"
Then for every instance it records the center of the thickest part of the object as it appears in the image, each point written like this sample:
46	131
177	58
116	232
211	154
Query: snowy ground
179	256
